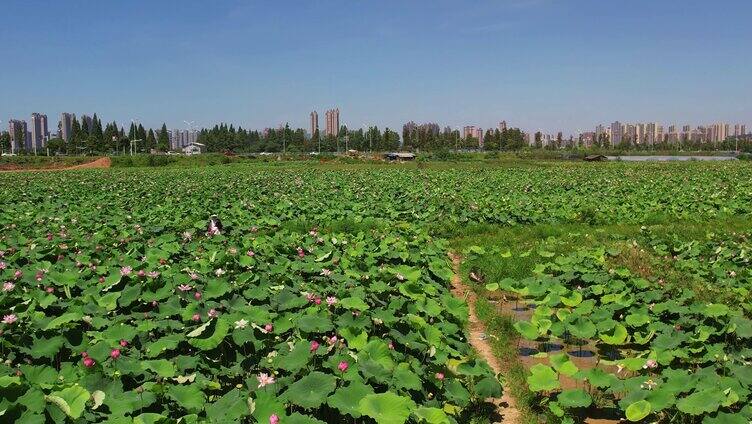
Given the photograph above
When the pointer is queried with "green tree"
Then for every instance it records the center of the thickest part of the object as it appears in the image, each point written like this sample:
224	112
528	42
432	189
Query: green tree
151	141
163	142
5	142
56	145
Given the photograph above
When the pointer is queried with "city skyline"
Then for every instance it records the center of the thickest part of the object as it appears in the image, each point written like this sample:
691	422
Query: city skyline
313	120
543	64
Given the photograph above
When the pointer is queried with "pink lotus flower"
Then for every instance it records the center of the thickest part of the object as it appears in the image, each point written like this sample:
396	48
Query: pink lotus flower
273	419
101	279
197	295
194	276
115	353
317	301
84	354
268	328
326	272
343	366
332	340
651	363
141	273
250	253
301	253
213	229
185	287
153	274
126	271
3	265
8	286
264	379
50	290
391	345
310	297
17	274
213	313
196	317
10	319
124	343
331	300
89	362
254	229
314	346
440	376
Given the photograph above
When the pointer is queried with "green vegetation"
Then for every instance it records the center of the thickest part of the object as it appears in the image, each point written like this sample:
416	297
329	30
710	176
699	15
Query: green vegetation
41	162
663	308
325	295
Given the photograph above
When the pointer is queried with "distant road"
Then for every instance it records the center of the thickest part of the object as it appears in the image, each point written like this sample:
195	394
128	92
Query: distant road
668	158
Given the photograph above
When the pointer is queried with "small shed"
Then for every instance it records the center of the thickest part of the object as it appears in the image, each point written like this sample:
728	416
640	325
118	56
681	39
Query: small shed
194	148
595	158
399	156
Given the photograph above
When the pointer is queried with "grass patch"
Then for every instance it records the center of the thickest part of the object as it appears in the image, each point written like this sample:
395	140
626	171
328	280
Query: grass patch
504	345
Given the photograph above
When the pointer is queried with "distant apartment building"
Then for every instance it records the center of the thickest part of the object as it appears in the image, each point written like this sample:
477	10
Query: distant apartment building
617	133
502	126
332	123
472	131
66	125
587	139
39	132
600	133
314	122
182	138
19	133
717	132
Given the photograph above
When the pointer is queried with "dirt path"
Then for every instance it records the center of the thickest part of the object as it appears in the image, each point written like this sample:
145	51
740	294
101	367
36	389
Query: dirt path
104	162
506	405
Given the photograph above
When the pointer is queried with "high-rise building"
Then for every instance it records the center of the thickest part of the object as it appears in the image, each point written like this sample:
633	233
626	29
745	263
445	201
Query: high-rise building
66	125
744	130
631	133
332	122
617	133
737	130
649	134
39	132
19	133
473	131
182	138
314	123
503	126
717	132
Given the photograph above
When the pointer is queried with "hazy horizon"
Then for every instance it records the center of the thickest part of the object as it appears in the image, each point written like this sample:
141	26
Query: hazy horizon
538	64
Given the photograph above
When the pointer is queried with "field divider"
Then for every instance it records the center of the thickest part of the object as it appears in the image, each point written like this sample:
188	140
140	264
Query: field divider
506	405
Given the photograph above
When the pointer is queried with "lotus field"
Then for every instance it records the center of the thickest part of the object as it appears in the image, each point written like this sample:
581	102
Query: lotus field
324	296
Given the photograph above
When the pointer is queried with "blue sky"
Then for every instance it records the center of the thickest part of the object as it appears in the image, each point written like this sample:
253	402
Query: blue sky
539	64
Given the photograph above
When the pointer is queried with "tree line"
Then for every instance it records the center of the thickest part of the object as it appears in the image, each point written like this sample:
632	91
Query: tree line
425	138
224	137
